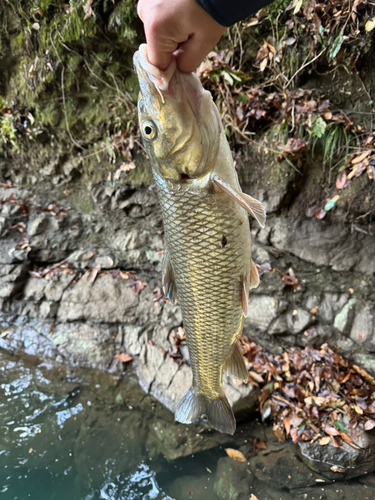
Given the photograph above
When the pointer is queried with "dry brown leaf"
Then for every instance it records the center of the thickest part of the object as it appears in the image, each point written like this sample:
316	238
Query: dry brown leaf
331	431
361	157
336	468
94	273
364	374
370	25
255	376
324	440
348	440
358	409
369	425
279	433
341	180
124	358
253	497
235	454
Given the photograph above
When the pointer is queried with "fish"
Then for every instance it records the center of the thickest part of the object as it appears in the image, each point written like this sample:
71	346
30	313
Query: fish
207	264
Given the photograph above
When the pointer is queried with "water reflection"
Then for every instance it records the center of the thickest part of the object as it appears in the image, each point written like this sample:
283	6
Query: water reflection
86	436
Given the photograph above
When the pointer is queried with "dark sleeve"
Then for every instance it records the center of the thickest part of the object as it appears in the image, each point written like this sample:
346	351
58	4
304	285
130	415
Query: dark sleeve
228	12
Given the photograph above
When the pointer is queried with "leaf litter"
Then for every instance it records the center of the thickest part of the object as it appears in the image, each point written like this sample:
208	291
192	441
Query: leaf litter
312	394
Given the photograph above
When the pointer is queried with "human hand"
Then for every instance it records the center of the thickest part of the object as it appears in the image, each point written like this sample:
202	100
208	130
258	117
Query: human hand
178	24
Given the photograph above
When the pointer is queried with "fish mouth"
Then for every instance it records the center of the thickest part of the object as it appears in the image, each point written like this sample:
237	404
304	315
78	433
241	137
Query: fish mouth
185	113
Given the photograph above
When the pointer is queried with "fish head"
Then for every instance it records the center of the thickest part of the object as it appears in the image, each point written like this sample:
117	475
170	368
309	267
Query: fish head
179	122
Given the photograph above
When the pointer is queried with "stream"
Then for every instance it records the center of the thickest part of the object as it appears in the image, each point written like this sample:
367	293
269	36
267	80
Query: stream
70	434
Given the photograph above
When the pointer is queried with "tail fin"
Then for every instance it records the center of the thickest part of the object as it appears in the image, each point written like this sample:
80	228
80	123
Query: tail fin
194	406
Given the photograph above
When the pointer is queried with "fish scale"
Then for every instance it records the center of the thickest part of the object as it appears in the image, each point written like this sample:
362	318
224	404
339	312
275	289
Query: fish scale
207	276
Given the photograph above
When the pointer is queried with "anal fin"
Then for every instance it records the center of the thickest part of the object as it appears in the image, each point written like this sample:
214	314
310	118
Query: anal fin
234	364
169	285
250	204
254	276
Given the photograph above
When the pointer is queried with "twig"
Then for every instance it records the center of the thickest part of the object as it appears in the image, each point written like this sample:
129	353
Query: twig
304	65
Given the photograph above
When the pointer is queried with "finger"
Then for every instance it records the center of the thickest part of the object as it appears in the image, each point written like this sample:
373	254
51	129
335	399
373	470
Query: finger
192	52
158	54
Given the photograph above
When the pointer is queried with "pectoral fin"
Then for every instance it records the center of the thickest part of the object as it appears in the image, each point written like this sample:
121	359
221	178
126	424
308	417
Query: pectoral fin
254	276
250	204
234	364
169	285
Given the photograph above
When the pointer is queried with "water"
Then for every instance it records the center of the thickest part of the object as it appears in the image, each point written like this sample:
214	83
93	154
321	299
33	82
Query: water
69	436
86	436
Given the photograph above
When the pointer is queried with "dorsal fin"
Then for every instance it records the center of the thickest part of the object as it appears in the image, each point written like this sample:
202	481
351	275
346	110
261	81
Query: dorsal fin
250	204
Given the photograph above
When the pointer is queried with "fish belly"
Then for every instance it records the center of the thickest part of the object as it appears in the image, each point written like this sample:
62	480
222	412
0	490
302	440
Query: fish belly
208	242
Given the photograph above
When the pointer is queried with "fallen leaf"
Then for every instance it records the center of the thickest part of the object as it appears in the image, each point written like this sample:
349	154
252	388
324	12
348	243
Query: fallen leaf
364	374
361	157
255	376
314	310
91	277
52	327
124	358
259	444
336	468
348	440
331	203
370	424
341	180
235	454
253	497
370	25
324	440
279	433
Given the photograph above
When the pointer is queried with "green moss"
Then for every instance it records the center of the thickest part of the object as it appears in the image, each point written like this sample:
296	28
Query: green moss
277	6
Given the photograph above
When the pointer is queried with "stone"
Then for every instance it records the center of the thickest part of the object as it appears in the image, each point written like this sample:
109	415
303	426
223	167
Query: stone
280	465
38	224
180	384
11	280
233	479
344	317
147	365
163	379
262	311
330	305
55	288
105	300
298	320
134	338
354	462
279	325
363	329
34	289
84	345
242	397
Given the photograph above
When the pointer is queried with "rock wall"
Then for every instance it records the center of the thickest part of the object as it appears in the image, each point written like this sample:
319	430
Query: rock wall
81	280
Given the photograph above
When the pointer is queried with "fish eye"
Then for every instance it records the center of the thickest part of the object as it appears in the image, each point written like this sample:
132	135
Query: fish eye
148	130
